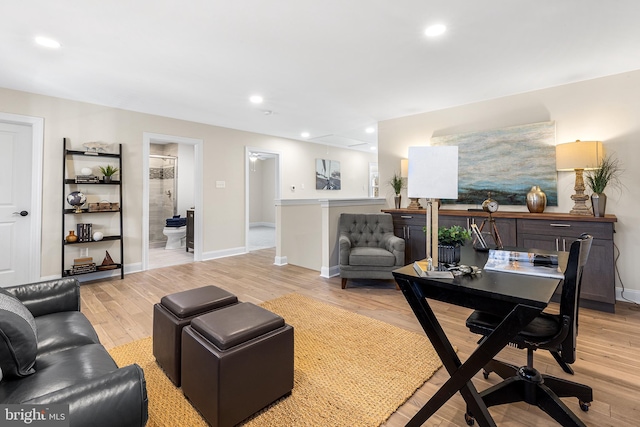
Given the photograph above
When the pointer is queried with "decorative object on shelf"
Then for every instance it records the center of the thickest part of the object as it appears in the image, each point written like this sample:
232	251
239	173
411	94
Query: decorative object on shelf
449	241
414	203
328	174
86	171
104	206
108	172
397	182
536	200
84	232
71	237
83	265
76	199
97	236
95	147
107	262
608	172
579	156
490	206
433	175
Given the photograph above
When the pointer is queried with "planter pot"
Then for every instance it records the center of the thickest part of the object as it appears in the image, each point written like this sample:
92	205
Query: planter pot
397	199
106	178
598	203
448	254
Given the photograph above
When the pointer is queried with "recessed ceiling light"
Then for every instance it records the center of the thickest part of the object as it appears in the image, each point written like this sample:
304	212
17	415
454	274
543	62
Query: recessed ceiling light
47	42
305	134
256	99
435	30
373	148
370	130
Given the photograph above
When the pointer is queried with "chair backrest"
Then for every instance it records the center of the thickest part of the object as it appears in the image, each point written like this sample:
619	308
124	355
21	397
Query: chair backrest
365	229
578	255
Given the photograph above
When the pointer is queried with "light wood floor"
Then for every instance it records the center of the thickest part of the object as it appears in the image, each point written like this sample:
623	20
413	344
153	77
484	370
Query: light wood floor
608	344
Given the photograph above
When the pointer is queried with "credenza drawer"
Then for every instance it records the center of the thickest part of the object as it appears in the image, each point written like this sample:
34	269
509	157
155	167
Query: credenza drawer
599	230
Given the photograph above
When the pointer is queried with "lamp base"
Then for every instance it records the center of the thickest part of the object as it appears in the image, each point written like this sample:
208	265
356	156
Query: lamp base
580	207
415	204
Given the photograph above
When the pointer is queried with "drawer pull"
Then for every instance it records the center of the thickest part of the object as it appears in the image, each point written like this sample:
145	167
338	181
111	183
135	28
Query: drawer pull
406	216
560	225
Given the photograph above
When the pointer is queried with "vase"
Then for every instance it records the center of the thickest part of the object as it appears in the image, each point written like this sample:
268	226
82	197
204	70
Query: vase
71	237
106	178
536	200
448	254
598	203
397	199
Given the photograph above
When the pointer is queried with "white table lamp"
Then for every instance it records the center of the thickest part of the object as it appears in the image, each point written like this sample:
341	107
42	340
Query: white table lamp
579	156
433	174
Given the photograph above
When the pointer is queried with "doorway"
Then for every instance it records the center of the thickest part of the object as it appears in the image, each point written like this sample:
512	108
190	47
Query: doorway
262	190
20	198
172	186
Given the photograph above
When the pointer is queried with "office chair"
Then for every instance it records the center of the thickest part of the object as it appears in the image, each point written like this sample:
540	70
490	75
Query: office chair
553	332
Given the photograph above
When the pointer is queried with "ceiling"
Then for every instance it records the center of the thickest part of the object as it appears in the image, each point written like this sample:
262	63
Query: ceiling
331	68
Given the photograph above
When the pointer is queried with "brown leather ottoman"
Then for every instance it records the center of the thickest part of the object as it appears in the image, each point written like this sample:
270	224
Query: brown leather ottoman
174	312
236	361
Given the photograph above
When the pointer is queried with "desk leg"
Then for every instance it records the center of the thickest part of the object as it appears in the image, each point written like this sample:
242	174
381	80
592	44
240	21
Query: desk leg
461	374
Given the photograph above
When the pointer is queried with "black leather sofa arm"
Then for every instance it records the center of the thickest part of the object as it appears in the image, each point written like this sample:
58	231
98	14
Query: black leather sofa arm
116	399
51	296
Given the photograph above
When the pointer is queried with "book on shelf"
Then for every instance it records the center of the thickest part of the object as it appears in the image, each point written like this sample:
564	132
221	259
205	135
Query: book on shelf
84	232
422	268
83	179
543	264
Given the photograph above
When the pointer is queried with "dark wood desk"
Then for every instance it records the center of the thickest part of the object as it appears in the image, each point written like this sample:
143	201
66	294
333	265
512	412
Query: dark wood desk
519	298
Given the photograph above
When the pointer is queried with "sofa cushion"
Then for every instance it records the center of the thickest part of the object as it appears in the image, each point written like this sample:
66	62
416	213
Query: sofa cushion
18	338
367	256
58	370
60	331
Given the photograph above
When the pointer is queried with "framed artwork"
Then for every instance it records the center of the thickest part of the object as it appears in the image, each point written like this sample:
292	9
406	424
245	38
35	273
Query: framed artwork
327	174
507	162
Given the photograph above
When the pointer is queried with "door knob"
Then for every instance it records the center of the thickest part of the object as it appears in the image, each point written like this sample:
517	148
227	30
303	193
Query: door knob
21	213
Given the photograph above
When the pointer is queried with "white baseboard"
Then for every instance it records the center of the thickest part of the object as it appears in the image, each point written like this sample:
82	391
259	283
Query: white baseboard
206	256
280	260
328	272
630	295
262	224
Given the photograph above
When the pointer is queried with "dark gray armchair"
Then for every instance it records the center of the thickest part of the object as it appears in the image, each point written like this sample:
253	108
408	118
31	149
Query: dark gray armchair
368	247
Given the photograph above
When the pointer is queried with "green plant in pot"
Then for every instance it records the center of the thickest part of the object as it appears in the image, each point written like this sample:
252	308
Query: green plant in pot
397	183
607	174
449	241
108	172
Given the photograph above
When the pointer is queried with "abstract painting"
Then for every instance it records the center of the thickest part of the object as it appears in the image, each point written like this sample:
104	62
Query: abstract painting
327	174
507	162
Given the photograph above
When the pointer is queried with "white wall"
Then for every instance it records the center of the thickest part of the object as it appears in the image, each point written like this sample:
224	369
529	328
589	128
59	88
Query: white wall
223	159
605	109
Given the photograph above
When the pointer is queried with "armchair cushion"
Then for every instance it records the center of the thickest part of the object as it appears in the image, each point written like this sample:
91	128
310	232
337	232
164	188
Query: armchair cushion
373	257
18	338
64	330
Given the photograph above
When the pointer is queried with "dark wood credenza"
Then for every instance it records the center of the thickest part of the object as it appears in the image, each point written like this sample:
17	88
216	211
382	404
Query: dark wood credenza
547	231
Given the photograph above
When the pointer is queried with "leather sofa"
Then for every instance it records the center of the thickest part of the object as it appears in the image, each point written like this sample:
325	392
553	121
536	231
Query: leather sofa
50	354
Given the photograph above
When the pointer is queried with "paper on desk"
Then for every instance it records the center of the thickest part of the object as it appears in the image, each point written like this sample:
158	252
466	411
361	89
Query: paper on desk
520	263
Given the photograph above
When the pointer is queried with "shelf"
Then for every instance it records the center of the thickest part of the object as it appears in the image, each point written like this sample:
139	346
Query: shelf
105	238
91	153
86	211
66	273
73	181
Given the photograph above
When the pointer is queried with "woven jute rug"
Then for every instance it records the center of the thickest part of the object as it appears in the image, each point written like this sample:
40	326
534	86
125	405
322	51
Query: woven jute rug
349	370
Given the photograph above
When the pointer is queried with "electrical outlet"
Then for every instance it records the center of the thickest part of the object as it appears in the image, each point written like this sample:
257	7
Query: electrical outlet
293	188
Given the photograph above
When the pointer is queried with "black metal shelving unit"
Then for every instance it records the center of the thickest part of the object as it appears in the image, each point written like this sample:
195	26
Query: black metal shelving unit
67	214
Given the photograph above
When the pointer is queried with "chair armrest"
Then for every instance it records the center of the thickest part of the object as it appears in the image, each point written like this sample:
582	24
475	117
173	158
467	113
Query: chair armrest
345	249
51	296
116	399
395	245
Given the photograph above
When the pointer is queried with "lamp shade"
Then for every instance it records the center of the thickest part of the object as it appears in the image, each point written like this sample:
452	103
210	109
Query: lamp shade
433	172
404	168
579	155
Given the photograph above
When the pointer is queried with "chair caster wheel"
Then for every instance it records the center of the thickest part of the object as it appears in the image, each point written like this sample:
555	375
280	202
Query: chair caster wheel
485	374
469	419
584	405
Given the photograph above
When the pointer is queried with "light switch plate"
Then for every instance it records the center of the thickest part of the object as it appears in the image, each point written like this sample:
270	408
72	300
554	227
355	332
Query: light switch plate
220	184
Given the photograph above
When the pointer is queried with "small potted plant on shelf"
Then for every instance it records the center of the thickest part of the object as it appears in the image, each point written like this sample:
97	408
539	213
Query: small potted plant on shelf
449	241
607	173
108	172
397	183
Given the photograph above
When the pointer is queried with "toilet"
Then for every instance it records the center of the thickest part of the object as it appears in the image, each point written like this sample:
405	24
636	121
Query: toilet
176	237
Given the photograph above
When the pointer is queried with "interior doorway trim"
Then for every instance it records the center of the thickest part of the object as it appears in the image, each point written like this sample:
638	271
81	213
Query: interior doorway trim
247	168
37	147
147	139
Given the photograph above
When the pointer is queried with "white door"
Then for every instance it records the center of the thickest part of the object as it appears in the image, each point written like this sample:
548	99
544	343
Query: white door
16	229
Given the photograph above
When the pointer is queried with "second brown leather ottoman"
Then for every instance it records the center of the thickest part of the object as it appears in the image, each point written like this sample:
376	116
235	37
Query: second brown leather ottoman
236	361
174	312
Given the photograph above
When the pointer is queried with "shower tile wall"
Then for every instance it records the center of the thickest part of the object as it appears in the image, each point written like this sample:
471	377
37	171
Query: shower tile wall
161	196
